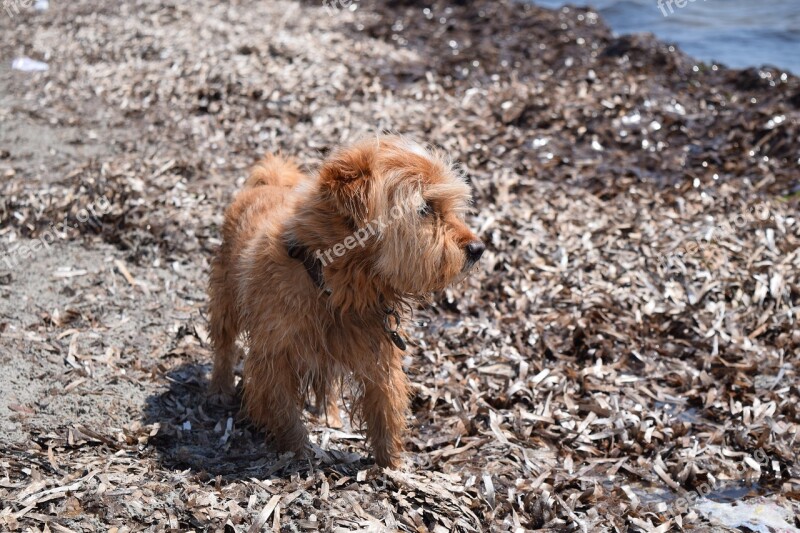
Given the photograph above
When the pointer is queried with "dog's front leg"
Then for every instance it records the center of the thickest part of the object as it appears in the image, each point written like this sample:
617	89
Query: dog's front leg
384	406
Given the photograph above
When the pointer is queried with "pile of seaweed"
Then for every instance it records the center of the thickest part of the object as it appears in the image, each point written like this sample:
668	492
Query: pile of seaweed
630	336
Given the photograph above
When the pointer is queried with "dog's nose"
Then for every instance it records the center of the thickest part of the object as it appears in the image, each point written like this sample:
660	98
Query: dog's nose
475	250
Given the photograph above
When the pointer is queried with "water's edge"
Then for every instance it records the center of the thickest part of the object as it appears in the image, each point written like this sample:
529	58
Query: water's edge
736	33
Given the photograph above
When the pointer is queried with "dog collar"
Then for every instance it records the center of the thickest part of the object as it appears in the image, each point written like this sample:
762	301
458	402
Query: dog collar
313	266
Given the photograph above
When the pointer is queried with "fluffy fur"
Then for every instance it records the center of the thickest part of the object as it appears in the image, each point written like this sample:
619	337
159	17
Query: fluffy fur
299	334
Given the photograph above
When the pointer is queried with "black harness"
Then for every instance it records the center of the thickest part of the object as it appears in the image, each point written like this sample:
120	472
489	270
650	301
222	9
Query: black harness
313	266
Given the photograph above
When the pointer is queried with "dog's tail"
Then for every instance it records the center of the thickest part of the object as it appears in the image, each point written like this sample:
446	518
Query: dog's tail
276	171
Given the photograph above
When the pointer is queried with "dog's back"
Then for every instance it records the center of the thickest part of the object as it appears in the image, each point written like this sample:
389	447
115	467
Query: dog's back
265	197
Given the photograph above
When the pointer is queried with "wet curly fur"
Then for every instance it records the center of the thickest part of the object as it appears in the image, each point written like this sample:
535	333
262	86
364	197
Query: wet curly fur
299	333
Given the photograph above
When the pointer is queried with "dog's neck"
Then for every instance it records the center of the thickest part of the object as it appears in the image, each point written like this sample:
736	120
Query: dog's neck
349	282
312	265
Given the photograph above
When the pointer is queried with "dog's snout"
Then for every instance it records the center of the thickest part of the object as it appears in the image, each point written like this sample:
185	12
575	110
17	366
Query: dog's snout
475	250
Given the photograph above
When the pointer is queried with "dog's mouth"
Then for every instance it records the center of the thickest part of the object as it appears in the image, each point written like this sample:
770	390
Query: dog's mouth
466	271
469	264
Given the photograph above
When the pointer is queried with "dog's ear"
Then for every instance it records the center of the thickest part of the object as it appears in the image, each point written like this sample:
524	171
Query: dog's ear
347	178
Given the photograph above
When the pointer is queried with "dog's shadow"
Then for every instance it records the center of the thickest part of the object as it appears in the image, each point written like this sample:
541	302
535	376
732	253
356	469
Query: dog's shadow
216	440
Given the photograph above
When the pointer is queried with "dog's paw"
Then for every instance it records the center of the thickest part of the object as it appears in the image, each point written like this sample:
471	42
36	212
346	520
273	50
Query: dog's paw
327	415
330	419
333	420
222	395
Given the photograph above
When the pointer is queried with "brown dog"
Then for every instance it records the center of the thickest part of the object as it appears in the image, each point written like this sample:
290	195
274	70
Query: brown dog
314	271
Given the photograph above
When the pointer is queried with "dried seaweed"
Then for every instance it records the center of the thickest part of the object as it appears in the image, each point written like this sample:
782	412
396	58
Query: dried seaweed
630	336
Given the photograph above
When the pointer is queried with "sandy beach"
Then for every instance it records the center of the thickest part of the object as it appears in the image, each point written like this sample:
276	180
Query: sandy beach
625	358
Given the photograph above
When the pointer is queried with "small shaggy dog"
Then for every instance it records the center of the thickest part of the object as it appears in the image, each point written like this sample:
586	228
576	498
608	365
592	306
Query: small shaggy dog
314	272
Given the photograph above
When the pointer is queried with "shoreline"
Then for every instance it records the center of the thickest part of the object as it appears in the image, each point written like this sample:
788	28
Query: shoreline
733	34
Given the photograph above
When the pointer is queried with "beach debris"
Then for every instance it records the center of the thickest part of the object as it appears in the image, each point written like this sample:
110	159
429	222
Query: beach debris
26	64
756	516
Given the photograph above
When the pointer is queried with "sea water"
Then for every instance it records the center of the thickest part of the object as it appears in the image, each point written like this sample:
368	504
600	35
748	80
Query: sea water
736	33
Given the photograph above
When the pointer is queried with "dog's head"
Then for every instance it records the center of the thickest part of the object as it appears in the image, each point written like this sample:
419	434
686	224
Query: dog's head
406	206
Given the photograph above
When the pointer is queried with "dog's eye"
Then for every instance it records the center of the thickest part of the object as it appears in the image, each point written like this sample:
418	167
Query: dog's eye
425	209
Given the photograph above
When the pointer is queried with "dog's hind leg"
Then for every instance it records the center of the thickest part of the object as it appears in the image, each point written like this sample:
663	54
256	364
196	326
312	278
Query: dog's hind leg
326	390
224	328
273	399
